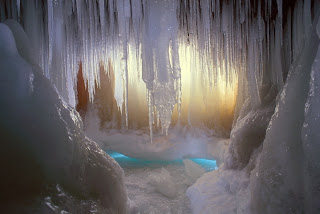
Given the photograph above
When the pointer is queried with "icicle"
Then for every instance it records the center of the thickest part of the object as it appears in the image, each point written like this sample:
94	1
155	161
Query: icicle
18	9
50	33
151	114
279	4
204	50
79	12
102	17
252	75
307	17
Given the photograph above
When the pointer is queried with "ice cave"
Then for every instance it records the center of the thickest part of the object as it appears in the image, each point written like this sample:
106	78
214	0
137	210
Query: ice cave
160	106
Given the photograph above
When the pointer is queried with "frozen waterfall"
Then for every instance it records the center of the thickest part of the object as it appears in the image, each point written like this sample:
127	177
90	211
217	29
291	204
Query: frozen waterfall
186	59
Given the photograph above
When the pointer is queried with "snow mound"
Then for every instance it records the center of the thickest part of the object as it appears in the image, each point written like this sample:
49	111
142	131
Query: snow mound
164	183
216	192
193	170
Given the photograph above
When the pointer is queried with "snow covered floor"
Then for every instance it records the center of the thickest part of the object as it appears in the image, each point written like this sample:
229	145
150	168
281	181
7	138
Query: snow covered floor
145	196
160	186
158	174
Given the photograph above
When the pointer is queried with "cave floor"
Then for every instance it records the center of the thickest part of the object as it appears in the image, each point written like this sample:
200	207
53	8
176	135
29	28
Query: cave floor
145	194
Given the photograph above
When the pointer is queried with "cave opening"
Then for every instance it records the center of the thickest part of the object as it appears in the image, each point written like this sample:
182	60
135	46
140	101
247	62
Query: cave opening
189	106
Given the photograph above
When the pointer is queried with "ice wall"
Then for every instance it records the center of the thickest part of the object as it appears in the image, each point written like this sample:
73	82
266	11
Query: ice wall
271	167
310	137
278	183
43	142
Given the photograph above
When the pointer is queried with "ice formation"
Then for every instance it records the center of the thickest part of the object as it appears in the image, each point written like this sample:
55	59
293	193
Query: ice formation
269	167
274	180
254	60
43	142
164	52
310	137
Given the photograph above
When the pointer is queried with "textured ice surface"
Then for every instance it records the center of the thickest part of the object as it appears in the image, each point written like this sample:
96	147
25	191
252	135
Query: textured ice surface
146	196
217	192
277	182
226	190
249	132
268	177
43	138
310	137
158	186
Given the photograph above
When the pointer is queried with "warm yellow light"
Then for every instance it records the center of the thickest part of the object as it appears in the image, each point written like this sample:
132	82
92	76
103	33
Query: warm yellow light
208	96
137	93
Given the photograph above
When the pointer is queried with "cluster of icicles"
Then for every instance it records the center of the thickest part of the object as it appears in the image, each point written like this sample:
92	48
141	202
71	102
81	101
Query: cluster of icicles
222	44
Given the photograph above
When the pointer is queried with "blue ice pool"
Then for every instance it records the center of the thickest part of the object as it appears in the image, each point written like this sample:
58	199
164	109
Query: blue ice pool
125	161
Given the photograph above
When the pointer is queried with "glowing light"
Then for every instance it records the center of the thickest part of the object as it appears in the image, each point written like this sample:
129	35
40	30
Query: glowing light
208	165
208	95
125	161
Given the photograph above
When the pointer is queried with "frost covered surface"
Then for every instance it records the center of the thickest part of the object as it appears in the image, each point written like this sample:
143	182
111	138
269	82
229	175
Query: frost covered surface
218	192
43	139
269	167
277	182
226	190
148	190
158	189
249	132
159	186
310	136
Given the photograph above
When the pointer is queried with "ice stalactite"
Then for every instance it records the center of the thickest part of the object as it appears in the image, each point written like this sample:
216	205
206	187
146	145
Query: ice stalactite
307	16
162	69
214	53
50	33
